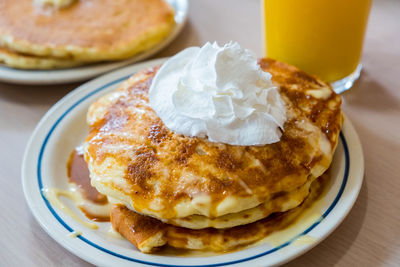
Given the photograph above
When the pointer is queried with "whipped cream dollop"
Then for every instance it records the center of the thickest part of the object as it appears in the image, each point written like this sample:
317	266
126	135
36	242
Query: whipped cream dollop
220	93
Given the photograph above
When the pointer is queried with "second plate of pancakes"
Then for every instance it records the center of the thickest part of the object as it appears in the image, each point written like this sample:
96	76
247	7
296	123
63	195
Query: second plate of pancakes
64	127
69	72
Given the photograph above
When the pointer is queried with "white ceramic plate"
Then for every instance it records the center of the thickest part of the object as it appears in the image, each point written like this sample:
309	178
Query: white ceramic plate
36	77
64	127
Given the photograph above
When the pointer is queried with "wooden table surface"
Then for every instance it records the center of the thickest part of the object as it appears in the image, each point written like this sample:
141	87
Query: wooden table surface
369	236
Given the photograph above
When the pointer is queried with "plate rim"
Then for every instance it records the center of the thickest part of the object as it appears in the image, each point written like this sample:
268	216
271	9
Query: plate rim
85	72
119	76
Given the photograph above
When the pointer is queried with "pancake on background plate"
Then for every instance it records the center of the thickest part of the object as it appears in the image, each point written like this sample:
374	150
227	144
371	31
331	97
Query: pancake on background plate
22	61
60	34
192	193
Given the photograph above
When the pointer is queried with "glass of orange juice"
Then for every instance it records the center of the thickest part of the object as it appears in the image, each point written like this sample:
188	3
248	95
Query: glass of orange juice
321	37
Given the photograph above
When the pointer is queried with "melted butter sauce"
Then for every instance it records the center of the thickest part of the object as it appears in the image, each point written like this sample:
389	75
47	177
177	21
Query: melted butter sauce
304	240
302	222
74	234
307	218
78	174
93	205
53	194
111	232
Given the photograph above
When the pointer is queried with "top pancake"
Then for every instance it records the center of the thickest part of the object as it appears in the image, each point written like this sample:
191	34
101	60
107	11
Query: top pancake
135	159
87	30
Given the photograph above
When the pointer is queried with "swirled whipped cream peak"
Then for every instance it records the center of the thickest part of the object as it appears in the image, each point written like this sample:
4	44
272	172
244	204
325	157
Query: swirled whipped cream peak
219	93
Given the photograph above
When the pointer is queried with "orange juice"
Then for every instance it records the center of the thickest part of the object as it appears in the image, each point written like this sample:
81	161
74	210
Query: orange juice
321	37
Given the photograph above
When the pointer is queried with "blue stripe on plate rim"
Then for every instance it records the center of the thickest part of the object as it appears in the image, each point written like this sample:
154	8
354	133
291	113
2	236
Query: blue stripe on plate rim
66	226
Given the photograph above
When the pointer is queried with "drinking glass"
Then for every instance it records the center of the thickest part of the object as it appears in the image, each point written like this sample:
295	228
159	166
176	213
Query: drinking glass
321	37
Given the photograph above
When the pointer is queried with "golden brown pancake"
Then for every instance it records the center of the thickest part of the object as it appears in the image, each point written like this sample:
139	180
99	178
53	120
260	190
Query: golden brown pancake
147	233
86	30
134	159
280	202
22	61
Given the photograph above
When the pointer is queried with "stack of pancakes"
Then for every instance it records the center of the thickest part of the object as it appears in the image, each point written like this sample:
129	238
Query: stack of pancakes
48	34
191	193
